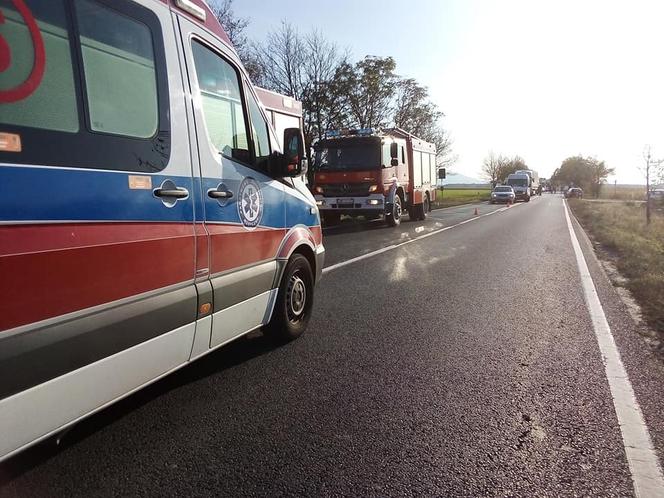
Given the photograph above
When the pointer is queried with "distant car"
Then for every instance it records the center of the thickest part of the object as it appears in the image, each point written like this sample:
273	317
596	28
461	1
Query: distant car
574	192
502	193
657	196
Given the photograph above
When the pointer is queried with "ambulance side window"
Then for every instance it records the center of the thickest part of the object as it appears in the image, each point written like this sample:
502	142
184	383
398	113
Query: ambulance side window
52	105
119	70
259	133
85	86
221	100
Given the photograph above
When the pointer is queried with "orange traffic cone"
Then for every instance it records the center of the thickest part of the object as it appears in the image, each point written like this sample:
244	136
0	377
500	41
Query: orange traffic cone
476	212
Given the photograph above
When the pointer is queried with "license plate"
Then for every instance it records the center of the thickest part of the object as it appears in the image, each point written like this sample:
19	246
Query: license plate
345	202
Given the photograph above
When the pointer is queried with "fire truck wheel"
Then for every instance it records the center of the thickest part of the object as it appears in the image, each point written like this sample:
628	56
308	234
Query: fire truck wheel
394	219
425	209
292	310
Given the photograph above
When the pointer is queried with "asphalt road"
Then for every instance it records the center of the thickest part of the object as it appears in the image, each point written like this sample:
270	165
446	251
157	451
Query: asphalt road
463	363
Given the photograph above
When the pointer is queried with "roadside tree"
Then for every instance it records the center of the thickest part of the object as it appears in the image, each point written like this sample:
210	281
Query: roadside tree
491	168
367	90
235	27
588	173
508	165
303	67
415	113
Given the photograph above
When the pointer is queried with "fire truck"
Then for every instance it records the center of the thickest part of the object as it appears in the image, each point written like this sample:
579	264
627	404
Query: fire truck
374	173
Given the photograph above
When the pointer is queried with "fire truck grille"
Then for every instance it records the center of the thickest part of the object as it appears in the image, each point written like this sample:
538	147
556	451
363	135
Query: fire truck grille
346	189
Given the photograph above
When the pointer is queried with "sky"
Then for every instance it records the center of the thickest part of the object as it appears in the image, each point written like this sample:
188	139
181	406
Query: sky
545	80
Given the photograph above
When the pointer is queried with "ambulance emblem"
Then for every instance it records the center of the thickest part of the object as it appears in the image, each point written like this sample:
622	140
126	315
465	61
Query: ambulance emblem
250	203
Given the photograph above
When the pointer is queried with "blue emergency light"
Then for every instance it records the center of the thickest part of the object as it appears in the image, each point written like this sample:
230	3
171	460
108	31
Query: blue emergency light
339	133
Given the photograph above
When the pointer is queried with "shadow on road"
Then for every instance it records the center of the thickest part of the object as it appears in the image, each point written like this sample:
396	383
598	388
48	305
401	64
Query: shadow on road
241	350
352	225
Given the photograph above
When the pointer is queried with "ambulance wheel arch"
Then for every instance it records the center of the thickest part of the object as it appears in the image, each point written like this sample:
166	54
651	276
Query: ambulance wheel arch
294	303
299	240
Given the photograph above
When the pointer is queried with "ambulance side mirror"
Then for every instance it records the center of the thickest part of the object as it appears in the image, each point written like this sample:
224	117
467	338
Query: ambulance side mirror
441	174
293	161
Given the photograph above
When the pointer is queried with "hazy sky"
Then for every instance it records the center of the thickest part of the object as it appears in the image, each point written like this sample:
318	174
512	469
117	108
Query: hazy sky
545	80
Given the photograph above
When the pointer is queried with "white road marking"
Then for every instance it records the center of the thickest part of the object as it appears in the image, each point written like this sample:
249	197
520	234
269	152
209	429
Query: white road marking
409	241
641	457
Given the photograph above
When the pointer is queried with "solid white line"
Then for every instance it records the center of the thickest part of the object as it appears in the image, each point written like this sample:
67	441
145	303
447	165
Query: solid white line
641	456
409	241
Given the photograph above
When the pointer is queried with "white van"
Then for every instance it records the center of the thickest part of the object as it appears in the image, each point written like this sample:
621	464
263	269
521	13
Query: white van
534	180
520	182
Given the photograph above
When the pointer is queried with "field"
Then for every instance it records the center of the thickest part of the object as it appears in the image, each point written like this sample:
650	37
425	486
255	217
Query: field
635	248
454	197
622	192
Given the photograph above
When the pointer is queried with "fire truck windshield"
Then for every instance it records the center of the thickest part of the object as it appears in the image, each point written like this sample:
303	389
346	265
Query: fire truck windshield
356	155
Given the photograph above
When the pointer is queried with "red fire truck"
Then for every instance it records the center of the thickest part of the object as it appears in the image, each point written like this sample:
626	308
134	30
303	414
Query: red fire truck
375	173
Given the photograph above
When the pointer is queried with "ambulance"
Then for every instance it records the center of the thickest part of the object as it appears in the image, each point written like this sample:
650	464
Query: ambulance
148	213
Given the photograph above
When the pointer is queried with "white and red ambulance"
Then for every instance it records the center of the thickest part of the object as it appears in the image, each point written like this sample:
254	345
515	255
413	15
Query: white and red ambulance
148	213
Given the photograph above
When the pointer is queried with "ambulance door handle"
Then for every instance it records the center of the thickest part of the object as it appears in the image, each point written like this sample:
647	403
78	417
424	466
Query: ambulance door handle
170	193
220	194
177	193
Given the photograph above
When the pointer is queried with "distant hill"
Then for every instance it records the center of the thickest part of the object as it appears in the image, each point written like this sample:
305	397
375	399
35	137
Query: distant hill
463	181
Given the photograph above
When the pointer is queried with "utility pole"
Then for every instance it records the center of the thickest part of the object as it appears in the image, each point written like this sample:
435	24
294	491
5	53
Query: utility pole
650	162
648	187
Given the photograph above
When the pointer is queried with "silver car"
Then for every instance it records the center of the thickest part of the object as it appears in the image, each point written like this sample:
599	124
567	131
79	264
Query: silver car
502	193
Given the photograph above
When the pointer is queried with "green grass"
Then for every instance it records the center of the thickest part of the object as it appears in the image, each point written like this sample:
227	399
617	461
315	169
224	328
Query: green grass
635	248
456	197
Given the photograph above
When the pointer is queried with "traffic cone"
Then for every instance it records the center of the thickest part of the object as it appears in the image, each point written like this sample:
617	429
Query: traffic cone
476	212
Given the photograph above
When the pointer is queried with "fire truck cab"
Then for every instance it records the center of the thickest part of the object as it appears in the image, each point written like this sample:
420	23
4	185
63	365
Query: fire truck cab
375	173
149	213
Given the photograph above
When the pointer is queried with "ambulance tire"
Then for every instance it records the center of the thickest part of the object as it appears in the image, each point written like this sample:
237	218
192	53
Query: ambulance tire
295	299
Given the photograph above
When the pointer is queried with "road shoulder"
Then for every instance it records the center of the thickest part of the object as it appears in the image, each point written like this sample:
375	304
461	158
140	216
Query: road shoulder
644	366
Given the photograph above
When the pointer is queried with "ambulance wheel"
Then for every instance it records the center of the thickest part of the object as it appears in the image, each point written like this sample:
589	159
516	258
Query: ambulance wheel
295	299
394	218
